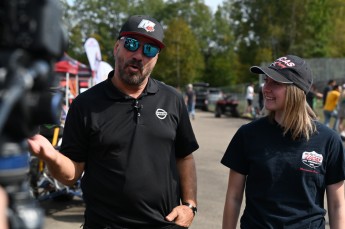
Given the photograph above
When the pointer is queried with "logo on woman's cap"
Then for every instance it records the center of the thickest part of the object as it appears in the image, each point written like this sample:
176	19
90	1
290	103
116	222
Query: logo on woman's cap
288	69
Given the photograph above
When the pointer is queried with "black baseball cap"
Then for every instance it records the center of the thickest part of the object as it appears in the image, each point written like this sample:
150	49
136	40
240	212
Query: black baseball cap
288	69
144	25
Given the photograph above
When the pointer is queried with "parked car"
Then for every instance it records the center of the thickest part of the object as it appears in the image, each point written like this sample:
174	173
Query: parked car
227	106
201	95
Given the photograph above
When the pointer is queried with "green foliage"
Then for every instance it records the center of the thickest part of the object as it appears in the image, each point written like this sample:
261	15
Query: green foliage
218	48
337	29
221	60
181	61
267	29
196	14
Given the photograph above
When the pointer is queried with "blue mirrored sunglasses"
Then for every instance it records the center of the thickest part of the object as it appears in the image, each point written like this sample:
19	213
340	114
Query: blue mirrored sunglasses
131	44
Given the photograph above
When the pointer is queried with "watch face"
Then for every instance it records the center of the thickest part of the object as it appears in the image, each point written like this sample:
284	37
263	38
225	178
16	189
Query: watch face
194	209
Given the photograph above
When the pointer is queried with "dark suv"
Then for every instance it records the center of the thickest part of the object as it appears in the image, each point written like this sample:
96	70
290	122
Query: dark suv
201	95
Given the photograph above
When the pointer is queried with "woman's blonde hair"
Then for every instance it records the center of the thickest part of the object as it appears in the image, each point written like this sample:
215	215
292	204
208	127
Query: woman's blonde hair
298	118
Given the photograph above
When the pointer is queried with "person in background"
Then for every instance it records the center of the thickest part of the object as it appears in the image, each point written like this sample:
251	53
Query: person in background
330	107
250	98
312	95
331	83
190	99
285	161
131	138
341	113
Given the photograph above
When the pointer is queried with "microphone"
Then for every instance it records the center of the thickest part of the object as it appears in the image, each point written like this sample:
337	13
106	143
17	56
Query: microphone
137	107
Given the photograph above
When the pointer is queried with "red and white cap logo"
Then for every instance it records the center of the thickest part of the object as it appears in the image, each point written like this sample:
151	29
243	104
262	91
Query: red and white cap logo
283	62
149	26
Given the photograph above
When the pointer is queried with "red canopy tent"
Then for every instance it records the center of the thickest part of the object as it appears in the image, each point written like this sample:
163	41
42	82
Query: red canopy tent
74	75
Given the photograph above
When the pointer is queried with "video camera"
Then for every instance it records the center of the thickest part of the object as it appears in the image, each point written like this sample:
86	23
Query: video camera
31	40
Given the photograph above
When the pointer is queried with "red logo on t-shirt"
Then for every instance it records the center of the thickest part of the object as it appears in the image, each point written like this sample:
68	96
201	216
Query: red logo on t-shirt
312	159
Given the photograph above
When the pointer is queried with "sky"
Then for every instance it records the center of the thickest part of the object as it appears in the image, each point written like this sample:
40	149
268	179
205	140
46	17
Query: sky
213	4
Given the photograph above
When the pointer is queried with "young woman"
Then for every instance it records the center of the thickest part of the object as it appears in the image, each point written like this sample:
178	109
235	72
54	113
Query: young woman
286	160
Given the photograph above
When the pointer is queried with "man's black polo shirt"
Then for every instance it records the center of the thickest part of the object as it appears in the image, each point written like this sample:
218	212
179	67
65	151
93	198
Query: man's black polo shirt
130	148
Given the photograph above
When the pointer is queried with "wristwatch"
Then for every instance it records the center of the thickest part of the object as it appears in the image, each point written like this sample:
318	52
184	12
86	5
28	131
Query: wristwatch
194	209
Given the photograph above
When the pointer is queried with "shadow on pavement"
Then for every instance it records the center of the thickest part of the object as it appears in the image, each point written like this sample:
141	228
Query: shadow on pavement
64	211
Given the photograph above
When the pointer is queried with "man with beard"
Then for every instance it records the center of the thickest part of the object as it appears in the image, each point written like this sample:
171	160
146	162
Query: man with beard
131	138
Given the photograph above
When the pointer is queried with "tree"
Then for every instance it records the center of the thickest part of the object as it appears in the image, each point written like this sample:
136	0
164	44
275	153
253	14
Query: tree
337	30
267	29
222	46
220	58
181	61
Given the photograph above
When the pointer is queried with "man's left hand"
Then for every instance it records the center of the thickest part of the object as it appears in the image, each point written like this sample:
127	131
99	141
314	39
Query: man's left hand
181	215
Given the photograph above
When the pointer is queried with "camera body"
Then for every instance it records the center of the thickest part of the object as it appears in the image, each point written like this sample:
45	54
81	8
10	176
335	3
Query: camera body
32	25
31	40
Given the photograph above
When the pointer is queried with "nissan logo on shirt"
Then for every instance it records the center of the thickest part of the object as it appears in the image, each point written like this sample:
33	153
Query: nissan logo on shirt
161	114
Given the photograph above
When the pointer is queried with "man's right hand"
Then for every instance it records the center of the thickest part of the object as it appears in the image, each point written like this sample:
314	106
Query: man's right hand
41	147
60	167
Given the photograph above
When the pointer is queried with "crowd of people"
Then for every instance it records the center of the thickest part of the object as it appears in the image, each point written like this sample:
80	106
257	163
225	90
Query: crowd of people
333	101
130	141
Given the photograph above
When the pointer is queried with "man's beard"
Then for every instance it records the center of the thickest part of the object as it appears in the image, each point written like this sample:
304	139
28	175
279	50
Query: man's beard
133	78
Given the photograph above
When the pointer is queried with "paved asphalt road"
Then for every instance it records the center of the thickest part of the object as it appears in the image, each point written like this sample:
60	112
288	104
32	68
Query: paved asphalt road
213	135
